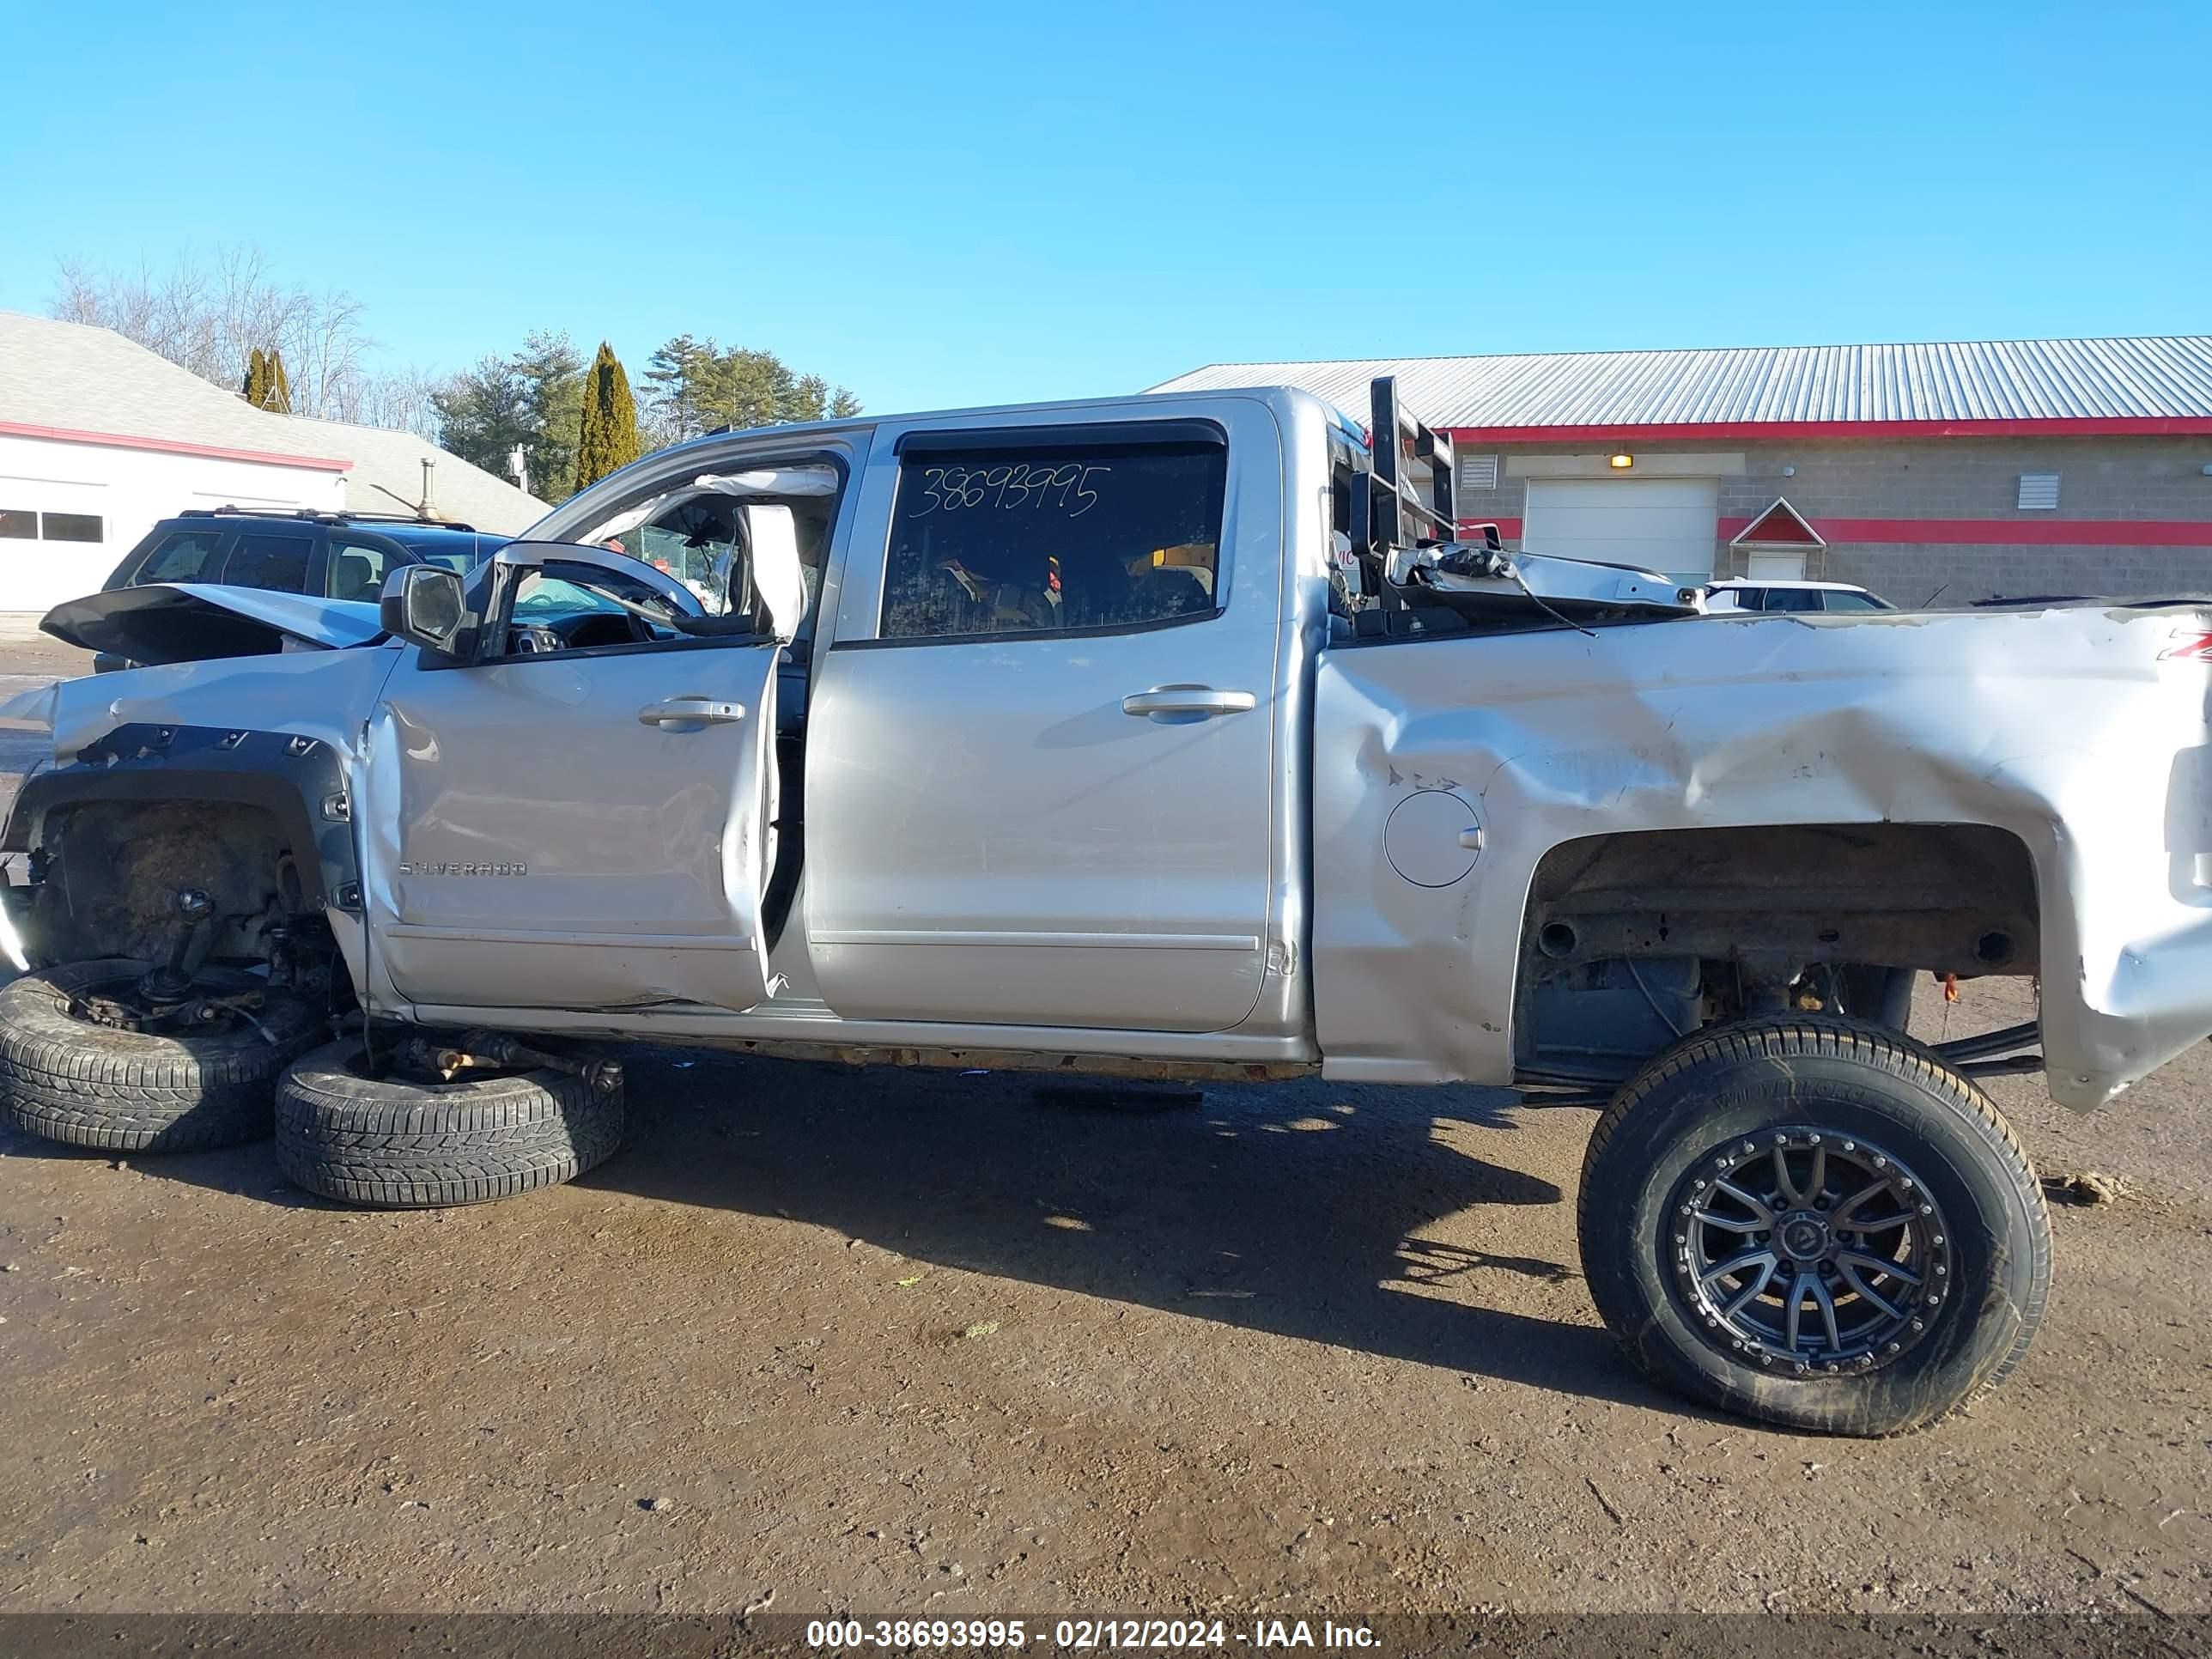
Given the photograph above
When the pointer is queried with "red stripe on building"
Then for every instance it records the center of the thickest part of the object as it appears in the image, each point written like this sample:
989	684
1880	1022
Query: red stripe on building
2107	425
1997	532
172	446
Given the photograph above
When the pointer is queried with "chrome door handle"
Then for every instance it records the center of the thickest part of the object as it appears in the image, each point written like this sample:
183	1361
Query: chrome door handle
1175	705
690	711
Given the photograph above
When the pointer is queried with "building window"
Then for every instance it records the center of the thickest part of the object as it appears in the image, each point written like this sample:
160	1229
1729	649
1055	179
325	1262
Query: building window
1477	473
18	524
71	527
2038	491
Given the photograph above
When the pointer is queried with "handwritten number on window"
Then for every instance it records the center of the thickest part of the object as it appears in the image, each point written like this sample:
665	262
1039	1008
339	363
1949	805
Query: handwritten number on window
1066	489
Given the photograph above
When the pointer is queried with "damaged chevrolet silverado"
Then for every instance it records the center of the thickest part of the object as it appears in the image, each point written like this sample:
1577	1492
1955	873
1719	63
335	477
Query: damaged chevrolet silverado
1171	736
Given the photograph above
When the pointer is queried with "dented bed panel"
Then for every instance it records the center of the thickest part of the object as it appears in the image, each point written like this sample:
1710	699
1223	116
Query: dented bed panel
2074	730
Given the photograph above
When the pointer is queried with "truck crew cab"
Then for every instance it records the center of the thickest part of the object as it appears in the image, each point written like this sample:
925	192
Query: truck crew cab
1179	735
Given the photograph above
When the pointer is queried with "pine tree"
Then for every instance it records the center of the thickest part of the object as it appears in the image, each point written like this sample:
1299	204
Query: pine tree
607	435
267	386
553	397
277	395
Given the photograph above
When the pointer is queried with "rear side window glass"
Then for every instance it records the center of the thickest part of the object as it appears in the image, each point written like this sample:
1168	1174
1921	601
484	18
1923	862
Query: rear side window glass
18	524
1792	598
1046	538
184	557
278	562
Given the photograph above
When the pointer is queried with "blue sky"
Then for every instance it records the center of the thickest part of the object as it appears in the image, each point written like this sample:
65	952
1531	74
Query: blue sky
952	204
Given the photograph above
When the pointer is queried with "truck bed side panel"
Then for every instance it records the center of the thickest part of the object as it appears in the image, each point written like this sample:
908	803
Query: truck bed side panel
2078	731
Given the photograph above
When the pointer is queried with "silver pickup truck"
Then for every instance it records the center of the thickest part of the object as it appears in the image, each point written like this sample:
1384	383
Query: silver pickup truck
1171	736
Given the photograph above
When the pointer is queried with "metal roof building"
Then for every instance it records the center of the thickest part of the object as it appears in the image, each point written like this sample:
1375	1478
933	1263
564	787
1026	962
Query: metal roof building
1960	470
2159	384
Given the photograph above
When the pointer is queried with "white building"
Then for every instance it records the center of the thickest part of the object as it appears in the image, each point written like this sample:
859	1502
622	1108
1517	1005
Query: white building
99	438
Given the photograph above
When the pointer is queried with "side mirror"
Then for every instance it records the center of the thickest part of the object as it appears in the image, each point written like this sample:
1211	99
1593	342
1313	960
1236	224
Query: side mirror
423	605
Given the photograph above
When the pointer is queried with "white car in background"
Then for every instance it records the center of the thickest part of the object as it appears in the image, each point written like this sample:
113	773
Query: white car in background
1742	593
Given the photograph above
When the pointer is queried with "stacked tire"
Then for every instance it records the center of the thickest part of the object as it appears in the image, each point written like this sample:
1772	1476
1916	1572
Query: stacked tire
85	1085
387	1143
342	1132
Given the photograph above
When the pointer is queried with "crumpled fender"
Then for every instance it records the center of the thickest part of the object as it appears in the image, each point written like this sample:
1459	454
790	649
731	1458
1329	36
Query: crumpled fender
29	711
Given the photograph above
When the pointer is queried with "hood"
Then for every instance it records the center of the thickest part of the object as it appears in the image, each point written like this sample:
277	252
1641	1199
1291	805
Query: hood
188	621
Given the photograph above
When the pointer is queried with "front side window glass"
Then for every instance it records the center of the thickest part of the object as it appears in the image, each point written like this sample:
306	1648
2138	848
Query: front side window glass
357	570
568	605
1838	600
1041	539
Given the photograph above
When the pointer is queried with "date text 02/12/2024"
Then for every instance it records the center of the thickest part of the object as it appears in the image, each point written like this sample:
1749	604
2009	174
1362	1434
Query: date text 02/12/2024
1157	1634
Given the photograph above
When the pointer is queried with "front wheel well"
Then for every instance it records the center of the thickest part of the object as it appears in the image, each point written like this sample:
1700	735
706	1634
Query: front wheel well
106	874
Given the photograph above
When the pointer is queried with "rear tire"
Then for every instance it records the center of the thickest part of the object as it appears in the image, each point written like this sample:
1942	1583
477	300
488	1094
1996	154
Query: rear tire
388	1144
84	1084
1915	1251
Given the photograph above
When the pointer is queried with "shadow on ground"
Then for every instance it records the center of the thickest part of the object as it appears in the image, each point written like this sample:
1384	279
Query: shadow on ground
1293	1209
1296	1209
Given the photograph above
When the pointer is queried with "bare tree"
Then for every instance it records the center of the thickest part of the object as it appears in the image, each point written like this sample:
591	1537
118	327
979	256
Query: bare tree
208	316
405	400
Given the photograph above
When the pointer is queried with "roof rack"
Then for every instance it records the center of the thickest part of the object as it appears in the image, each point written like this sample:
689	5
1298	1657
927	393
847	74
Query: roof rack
310	515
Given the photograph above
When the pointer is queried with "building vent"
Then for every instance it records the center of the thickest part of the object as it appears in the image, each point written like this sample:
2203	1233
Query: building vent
1477	473
2038	491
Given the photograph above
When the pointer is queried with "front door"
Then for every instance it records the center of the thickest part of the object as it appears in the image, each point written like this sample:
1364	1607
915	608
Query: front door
1042	750
579	820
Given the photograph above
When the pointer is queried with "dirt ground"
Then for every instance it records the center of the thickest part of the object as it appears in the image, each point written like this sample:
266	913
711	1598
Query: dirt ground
909	1343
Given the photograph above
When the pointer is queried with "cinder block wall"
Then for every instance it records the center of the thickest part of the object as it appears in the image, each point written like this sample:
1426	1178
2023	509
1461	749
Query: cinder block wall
2125	478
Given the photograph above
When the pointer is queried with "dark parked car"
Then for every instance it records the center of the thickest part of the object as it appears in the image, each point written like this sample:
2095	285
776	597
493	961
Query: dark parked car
339	556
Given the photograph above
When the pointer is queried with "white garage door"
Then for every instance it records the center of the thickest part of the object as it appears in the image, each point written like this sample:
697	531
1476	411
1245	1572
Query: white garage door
1658	524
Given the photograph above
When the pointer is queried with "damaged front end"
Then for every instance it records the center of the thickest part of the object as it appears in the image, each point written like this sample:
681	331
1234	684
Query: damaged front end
184	622
218	770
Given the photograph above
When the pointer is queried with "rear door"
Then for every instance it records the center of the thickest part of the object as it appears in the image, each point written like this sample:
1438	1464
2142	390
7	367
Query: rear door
581	820
1042	749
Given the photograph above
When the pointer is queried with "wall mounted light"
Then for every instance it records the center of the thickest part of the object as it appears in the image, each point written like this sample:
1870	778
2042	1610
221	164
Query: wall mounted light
2207	469
1622	462
1788	472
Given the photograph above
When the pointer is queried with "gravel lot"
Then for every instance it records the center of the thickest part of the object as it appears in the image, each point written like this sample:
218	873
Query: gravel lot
908	1343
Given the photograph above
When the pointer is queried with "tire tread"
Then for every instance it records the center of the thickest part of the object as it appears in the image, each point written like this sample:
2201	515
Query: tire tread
387	1143
1837	1038
83	1085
